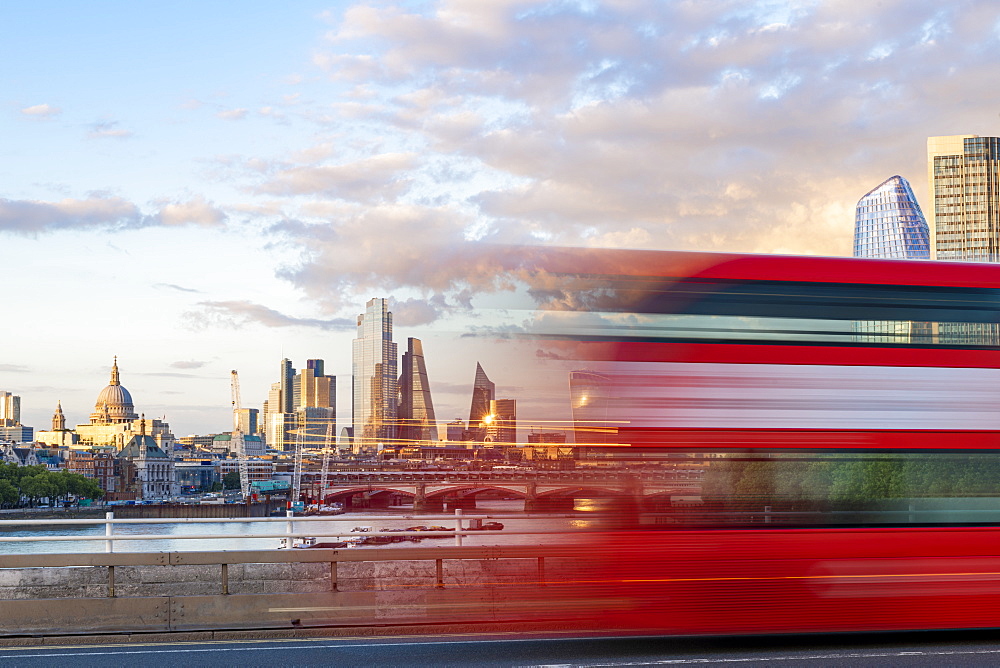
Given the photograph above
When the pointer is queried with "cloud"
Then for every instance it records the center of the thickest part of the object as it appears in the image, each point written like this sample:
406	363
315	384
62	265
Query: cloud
714	125
387	248
190	364
41	111
179	288
108	130
32	217
195	211
240	313
271	112
233	114
412	312
14	368
371	179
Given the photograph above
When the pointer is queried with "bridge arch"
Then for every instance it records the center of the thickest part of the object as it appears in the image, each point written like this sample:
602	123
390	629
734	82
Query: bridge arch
379	494
564	499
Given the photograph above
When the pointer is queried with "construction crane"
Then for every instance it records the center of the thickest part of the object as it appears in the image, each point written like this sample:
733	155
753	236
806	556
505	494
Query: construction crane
236	443
326	461
297	467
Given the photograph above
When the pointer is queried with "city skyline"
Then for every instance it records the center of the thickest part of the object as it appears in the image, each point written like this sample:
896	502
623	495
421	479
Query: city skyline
199	189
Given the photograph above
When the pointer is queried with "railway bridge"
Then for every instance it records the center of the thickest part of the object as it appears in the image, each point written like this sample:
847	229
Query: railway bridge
541	491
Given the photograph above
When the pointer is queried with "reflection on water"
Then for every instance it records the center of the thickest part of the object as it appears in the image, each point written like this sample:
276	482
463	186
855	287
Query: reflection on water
240	535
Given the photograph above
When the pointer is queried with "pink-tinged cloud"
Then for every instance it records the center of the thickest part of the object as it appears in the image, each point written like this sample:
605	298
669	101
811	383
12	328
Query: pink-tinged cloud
196	211
712	125
41	111
233	114
242	312
380	177
390	248
32	217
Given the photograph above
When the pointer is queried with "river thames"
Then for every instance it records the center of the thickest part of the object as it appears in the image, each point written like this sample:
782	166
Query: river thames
240	534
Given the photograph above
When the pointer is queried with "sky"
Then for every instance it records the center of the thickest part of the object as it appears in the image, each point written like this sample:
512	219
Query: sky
205	186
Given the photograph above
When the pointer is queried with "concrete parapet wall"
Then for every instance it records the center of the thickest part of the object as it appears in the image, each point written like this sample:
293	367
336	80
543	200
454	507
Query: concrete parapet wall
191	580
279	589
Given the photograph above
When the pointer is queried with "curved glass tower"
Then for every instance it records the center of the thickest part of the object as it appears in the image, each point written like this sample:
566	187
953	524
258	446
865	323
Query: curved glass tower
889	223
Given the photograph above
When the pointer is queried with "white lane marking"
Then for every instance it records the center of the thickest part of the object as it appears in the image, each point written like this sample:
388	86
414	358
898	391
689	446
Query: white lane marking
662	662
251	649
763	658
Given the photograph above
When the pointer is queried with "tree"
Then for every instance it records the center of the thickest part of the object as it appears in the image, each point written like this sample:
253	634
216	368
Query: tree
38	486
231	480
8	493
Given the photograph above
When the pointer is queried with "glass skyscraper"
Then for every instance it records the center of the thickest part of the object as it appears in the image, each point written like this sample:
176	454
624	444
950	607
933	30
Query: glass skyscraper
483	392
375	378
10	409
590	402
963	176
416	410
888	223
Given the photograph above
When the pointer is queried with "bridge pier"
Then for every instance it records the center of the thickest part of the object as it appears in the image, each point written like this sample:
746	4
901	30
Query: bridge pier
421	504
426	505
531	504
464	502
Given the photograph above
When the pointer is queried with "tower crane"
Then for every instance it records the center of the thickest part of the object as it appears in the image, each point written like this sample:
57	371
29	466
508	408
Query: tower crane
236	442
297	467
326	460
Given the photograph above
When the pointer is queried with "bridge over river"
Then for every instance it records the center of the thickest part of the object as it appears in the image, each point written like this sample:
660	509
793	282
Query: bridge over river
541	490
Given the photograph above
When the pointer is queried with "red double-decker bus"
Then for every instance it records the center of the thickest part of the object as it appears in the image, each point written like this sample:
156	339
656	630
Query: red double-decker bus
847	417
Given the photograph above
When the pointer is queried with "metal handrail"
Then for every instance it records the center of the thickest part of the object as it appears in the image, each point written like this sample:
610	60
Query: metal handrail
110	537
307	518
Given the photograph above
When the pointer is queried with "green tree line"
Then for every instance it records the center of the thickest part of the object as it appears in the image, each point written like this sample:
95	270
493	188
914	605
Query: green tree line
849	481
37	482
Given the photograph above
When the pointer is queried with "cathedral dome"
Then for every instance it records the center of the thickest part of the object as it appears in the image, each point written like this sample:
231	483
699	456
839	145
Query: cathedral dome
114	403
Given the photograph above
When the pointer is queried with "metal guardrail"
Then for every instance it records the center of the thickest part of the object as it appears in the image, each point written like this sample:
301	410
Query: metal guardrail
694	475
110	559
290	533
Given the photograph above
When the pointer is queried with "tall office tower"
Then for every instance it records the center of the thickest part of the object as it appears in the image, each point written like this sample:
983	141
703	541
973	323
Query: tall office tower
888	223
10	409
483	392
964	176
286	380
416	410
964	181
273	406
502	422
248	420
314	422
590	402
345	442
375	377
315	404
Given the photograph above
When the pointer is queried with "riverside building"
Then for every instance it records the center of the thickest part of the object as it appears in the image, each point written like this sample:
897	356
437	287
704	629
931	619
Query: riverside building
964	184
